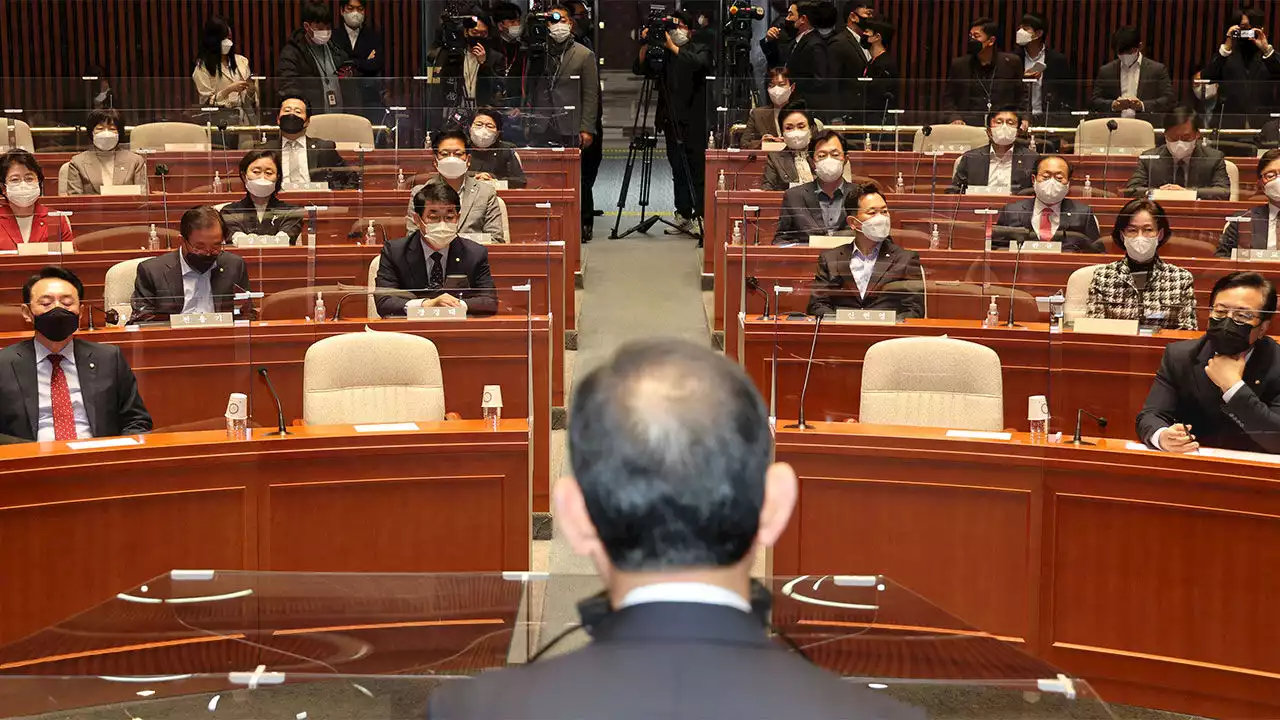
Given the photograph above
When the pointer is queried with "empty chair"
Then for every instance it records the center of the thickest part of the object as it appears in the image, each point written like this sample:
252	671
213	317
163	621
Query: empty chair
117	289
21	135
298	303
372	377
1131	137
932	382
950	138
1233	174
341	128
1077	294
129	237
154	136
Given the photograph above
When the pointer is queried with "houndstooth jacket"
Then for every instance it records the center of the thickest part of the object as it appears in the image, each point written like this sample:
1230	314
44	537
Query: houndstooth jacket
1170	289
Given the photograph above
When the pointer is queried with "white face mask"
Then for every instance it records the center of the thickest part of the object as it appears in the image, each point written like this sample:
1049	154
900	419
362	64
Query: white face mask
1023	37
353	19
780	94
876	228
483	137
438	235
1142	248
260	187
226	46
1181	149
1050	191
513	32
106	140
1004	134
679	37
560	32
452	167
22	194
1272	190
1130	60
829	169
796	139
320	37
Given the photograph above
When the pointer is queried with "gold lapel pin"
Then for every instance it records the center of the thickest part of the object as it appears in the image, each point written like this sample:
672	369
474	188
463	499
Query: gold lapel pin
92	366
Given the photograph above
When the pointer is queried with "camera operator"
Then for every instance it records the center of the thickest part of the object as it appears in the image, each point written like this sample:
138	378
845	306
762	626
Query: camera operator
1244	67
679	67
469	65
512	71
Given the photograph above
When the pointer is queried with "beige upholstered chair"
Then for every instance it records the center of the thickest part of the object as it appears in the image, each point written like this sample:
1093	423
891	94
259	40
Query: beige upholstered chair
1131	137
156	135
950	138
1078	292
117	289
373	285
506	221
932	382
372	377
21	135
64	178
128	237
342	127
1233	173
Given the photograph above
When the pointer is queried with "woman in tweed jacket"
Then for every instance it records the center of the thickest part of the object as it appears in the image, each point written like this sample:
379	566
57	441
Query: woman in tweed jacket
1118	292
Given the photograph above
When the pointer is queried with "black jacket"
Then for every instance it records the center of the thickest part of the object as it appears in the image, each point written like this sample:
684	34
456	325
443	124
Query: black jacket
970	88
834	286
1058	94
1246	85
107	387
1254	234
324	164
501	162
801	216
1183	393
241	216
403	266
298	72
368	42
682	102
1207	173
1155	90
975	165
810	68
1077	225
847	98
157	289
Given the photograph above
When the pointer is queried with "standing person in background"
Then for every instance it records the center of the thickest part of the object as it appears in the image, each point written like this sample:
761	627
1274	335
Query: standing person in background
1245	69
882	91
107	164
982	79
224	80
593	154
1053	95
809	64
363	43
848	63
311	65
513	72
1133	85
780	37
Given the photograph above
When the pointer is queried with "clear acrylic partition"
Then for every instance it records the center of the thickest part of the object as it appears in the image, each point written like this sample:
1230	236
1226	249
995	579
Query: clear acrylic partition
278	644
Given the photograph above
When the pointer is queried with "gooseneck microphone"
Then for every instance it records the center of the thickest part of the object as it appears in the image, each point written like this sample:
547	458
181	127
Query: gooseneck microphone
1013	289
753	284
804	389
1112	125
280	426
1077	440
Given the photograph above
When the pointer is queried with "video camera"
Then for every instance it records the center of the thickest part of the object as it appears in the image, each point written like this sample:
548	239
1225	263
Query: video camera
537	28
660	22
741	14
453	32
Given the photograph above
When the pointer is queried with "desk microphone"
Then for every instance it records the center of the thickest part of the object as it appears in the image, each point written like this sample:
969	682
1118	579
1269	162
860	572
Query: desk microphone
1106	163
800	424
162	172
951	227
926	131
754	284
1013	289
280	426
110	316
1077	440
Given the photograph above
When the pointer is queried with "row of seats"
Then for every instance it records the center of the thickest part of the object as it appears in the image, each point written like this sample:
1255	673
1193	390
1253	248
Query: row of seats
338	127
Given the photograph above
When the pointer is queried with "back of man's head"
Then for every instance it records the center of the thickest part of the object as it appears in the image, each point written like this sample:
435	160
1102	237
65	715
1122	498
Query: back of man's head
670	444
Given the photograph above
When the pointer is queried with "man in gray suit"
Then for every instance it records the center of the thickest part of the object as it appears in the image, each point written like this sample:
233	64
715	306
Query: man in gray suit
481	214
552	88
1001	166
674	491
1132	85
1182	163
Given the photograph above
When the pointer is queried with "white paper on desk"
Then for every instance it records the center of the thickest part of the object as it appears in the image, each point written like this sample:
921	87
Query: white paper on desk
1131	445
1240	455
979	435
387	427
109	442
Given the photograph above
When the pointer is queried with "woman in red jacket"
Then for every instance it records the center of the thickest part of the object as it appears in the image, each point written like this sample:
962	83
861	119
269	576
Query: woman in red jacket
23	218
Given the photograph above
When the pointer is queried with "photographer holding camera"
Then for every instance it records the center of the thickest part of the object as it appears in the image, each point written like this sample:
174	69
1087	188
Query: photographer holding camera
469	66
678	65
1244	67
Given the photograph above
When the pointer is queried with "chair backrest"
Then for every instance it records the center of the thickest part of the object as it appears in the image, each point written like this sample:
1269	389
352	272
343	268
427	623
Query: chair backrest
1131	137
1233	173
341	127
386	227
129	237
21	134
373	285
117	289
372	377
1078	292
64	175
300	302
932	382
155	135
950	138
12	320
506	221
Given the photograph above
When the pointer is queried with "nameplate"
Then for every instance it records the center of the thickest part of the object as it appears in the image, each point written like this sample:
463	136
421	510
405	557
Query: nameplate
483	238
1036	246
247	240
1240	455
1173	195
826	242
387	427
45	248
773	147
122	190
109	442
305	187
851	316
1246	255
795	184
222	319
979	435
436	313
1103	326
985	190
186	147
351	146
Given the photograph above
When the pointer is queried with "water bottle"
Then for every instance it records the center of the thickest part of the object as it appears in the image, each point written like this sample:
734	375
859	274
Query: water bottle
319	311
993	315
720	185
737	232
492	416
1088	186
370	235
711	140
901	187
866	142
217	182
935	239
153	238
400	179
1038	418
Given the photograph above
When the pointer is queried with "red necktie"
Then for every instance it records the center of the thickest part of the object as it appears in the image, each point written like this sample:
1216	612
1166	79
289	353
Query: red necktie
64	417
1046	228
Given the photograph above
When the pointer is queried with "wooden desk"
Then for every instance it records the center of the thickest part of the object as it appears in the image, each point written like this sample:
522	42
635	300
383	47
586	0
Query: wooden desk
79	526
1149	575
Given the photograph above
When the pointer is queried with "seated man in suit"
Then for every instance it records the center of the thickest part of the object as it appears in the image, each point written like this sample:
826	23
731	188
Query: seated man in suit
1260	233
261	211
1221	390
861	274
816	208
1050	216
671	501
494	159
198	277
1003	167
436	266
480	214
1132	85
307	159
57	388
1182	163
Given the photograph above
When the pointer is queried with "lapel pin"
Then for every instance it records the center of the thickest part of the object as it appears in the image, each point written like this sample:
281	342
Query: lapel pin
92	366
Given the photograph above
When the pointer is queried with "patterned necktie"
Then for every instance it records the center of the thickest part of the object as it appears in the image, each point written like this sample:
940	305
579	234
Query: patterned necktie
437	272
64	418
1046	226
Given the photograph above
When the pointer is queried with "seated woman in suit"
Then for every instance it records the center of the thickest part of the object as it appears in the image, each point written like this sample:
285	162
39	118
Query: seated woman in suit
23	218
785	167
491	158
1142	286
763	122
260	211
107	164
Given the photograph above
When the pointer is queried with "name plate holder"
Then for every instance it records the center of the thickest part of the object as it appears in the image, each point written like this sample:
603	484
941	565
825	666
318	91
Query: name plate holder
852	316
216	319
122	190
771	147
1269	255
47	248
1103	326
826	242
305	187
436	313
1036	246
247	240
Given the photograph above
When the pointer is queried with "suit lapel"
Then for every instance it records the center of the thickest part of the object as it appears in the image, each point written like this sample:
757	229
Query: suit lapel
468	198
1257	229
95	173
24	371
883	261
1210	395
416	262
984	168
87	369
221	281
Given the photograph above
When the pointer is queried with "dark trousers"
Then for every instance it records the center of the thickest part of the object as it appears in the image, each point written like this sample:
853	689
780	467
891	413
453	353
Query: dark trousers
591	158
689	183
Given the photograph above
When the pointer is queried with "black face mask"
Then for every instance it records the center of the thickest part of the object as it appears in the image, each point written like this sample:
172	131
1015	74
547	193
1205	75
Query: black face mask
864	42
291	124
975	47
1229	337
199	263
474	40
57	324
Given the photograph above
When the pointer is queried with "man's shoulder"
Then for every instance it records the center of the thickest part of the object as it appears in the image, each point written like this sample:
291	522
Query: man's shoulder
1212	153
1184	352
981	151
1074	206
99	350
12	351
321	143
1148	63
159	263
466	247
797	193
1024	205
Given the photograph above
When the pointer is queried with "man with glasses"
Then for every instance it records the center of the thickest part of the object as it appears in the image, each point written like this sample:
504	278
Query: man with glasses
1221	390
481	213
1260	232
1000	168
1050	216
816	208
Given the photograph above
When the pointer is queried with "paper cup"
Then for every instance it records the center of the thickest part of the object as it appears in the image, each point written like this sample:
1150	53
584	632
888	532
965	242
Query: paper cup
1037	408
238	406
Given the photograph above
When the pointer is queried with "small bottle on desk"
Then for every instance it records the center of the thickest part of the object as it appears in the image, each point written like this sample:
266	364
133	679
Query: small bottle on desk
318	314
720	185
370	235
935	239
866	142
901	188
737	232
153	238
217	182
400	179
993	314
711	140
1088	186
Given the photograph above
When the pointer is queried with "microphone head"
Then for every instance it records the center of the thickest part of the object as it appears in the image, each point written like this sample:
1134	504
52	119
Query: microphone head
113	317
262	371
1102	422
1112	125
753	283
927	130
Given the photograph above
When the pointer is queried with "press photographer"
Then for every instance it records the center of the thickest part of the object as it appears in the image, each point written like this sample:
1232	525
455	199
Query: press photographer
468	66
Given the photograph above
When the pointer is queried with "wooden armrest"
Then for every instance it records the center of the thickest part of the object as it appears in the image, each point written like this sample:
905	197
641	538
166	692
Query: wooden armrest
298	422
452	416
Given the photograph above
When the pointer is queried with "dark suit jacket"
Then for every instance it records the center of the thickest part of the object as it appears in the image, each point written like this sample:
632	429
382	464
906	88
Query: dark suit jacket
1232	238
966	98
801	216
298	73
501	162
1155	89
833	285
403	266
1208	174
1077	225
846	63
324	164
241	216
107	387
1058	89
1246	85
976	163
1183	393
157	290
667	660
810	69
368	41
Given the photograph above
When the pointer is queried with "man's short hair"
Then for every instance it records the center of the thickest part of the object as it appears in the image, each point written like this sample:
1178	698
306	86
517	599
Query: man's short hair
885	29
436	191
808	9
491	113
1063	158
299	98
18	156
988	26
506	11
825	15
1249	279
317	11
51	271
854	192
670	443
450	134
1267	158
1005	109
201	217
1035	21
1125	39
1182	114
823	137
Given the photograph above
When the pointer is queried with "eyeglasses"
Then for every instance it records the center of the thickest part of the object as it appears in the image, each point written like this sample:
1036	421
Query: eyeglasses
452	153
487	125
1247	317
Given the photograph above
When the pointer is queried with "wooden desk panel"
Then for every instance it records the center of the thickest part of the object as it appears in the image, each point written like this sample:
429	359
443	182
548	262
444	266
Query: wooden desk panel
1144	573
80	526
